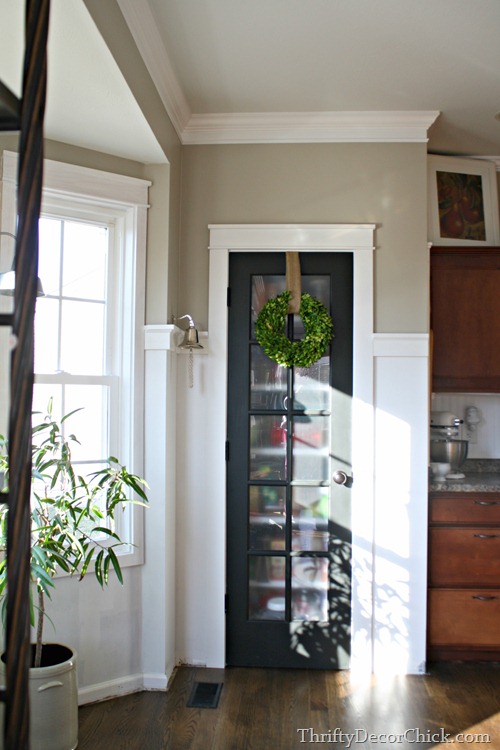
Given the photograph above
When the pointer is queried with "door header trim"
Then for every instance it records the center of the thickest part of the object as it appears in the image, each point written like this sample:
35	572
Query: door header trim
275	237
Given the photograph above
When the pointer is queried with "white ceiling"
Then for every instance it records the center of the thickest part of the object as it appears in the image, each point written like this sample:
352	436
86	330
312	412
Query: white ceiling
281	70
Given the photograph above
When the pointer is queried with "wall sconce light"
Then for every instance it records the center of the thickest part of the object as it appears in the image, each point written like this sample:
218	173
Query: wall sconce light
191	341
191	338
8	278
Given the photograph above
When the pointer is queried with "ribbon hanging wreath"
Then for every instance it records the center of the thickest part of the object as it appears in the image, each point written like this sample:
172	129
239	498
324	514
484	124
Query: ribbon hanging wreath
270	330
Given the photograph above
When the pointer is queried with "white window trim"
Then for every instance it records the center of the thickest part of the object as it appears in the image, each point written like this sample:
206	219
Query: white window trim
127	198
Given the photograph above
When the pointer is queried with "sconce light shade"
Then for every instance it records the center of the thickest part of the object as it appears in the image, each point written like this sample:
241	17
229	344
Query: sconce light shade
8	278
8	284
191	339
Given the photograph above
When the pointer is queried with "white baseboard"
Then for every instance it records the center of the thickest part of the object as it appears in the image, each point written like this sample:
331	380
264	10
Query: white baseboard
121	686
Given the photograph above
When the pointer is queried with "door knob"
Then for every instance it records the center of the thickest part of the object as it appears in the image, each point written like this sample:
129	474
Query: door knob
340	477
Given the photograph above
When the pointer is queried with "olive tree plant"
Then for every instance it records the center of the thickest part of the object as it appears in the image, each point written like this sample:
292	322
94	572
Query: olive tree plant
72	516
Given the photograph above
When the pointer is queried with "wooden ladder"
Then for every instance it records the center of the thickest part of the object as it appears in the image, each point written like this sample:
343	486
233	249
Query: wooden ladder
26	116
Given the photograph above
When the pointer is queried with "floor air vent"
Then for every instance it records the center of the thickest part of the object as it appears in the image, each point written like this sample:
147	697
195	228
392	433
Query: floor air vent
205	695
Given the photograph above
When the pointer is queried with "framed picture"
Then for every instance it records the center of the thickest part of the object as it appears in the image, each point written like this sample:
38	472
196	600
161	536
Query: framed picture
463	201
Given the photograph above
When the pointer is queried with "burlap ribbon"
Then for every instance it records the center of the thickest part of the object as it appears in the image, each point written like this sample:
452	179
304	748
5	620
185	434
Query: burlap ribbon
293	281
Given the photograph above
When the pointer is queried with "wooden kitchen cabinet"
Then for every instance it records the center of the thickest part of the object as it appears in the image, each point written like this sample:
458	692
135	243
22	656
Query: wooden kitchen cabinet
464	576
465	319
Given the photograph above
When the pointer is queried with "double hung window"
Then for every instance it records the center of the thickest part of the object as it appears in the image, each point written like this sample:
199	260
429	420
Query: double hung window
89	322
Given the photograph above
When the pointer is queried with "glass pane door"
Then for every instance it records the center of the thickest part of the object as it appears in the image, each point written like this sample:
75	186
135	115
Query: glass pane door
288	555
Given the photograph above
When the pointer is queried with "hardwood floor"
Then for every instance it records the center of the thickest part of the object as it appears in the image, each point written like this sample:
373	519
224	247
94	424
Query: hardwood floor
270	709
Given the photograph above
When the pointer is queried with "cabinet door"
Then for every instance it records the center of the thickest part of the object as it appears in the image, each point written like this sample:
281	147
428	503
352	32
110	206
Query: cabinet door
465	319
465	508
467	557
454	616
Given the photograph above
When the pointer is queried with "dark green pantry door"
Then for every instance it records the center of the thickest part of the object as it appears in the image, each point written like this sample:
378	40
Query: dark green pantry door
289	433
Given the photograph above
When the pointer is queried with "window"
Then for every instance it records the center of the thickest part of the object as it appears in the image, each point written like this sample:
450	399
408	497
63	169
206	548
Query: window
89	323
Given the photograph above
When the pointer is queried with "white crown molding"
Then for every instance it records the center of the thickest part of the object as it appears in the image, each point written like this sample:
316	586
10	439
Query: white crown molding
261	127
309	127
494	159
144	29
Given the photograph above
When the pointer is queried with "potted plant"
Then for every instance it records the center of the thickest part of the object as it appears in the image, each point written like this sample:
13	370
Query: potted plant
71	532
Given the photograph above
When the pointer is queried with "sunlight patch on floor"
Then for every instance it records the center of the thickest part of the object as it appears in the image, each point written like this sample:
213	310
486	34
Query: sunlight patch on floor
484	734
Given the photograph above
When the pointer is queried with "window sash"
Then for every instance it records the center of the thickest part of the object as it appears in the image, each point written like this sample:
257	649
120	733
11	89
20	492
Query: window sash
84	194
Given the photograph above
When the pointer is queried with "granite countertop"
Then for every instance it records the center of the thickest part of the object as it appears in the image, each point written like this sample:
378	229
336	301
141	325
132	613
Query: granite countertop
481	475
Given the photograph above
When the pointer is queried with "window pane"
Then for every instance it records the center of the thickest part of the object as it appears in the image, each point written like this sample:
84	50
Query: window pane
90	424
49	262
4	380
85	260
42	394
46	335
82	338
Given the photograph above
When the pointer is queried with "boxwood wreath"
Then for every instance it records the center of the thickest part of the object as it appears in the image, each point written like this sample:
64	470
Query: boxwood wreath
270	331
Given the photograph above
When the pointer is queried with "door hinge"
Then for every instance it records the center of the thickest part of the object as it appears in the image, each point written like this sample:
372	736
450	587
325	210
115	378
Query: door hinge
229	296
227	450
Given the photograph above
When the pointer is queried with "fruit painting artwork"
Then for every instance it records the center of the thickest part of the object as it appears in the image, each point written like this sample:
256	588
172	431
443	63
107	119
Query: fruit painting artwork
461	206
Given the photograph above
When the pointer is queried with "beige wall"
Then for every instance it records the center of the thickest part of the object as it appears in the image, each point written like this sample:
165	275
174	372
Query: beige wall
163	223
314	183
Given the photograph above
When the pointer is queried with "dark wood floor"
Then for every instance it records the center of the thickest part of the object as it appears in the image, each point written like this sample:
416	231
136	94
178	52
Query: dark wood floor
270	709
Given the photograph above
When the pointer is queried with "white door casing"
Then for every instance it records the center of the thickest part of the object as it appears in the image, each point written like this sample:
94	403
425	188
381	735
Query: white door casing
355	239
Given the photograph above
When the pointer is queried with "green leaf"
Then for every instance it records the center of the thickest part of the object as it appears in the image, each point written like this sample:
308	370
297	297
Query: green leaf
70	414
98	568
43	580
86	562
116	564
104	530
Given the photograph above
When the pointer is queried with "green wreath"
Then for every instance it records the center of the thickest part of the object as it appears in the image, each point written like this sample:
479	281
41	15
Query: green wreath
270	326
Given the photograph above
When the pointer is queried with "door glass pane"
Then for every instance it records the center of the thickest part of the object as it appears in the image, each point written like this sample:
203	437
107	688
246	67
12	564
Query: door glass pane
311	388
311	447
310	512
316	286
310	588
268	447
264	288
268	381
266	599
267	517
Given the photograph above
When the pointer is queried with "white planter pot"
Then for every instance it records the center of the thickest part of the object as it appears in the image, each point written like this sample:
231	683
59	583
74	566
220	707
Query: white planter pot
53	695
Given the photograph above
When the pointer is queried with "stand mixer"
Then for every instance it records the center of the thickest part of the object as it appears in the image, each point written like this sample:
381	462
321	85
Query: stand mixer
445	444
